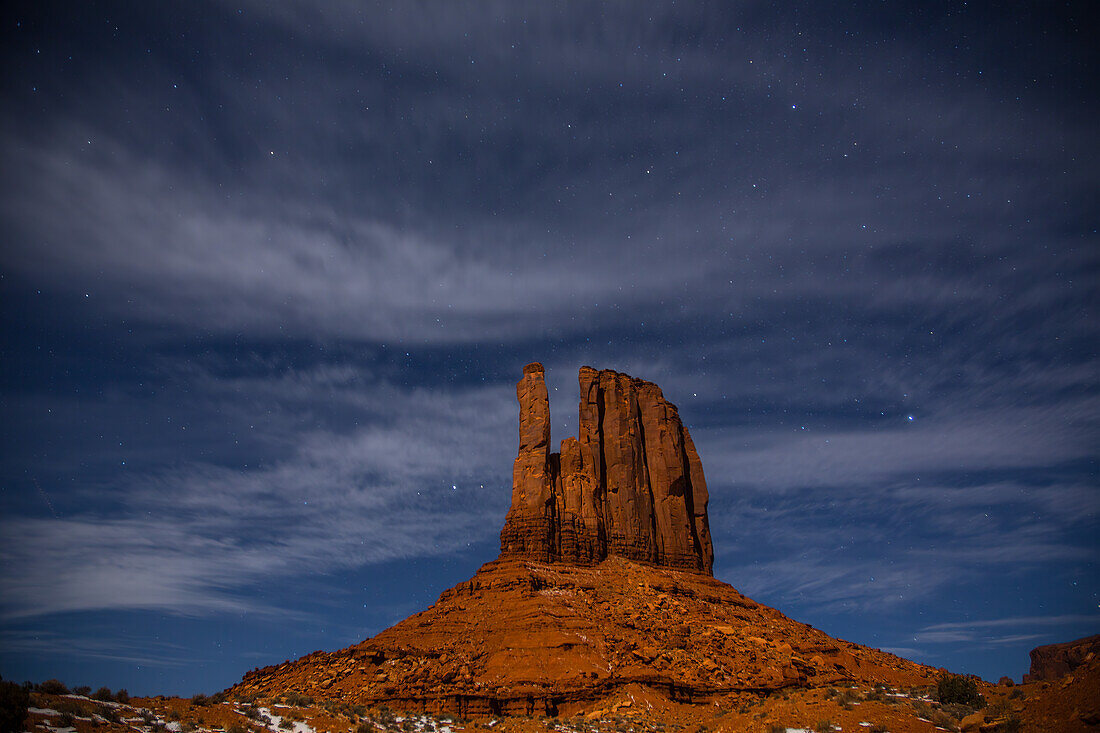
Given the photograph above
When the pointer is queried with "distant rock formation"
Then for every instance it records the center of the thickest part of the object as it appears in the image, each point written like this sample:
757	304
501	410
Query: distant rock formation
1053	661
631	485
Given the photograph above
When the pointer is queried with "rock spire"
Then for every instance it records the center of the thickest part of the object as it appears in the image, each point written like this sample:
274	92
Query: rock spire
631	484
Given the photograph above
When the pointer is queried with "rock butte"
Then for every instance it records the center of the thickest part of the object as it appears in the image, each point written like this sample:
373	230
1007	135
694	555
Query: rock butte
631	485
603	582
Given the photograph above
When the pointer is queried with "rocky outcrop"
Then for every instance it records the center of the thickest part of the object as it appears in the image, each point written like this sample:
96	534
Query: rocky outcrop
630	485
1053	661
529	638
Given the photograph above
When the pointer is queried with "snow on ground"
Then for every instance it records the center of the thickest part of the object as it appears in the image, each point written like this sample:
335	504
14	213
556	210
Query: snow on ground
424	724
43	711
298	726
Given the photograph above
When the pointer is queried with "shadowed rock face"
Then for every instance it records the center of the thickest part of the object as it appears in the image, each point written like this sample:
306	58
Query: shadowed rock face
1052	661
630	485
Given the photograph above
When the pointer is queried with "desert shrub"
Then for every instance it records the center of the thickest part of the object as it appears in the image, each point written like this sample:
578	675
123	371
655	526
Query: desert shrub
954	689
1016	694
878	728
848	696
824	726
1012	724
777	728
52	687
72	707
108	713
200	700
365	728
385	715
922	709
297	700
188	726
14	701
286	723
82	690
65	720
236	728
957	711
122	696
103	694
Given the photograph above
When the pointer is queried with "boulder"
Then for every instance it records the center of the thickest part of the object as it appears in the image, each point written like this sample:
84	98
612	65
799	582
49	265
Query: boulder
1053	661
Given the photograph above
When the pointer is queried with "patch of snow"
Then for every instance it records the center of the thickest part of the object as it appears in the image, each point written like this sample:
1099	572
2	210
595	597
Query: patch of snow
43	711
297	726
173	725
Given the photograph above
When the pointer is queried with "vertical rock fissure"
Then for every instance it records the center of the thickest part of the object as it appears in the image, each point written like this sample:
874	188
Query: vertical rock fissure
601	484
647	481
689	499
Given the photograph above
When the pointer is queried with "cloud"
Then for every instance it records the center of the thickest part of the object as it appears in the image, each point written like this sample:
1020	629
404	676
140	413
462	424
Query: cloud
199	538
1016	621
968	442
105	646
984	631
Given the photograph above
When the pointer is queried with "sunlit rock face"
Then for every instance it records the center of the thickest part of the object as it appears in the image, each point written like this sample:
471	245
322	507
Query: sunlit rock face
630	485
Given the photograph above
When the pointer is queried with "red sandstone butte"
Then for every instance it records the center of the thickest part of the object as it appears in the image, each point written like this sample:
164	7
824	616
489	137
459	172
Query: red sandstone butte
630	485
604	584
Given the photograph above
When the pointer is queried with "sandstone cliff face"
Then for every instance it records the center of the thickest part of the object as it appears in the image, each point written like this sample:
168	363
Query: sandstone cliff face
630	485
1052	661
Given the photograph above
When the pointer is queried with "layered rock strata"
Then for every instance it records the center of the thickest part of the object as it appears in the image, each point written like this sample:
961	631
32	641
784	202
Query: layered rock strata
523	637
630	485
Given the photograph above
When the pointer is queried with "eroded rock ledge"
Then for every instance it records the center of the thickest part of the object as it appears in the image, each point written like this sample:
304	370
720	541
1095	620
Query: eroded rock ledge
630	485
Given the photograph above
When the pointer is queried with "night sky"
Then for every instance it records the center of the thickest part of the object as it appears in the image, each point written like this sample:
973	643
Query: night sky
270	271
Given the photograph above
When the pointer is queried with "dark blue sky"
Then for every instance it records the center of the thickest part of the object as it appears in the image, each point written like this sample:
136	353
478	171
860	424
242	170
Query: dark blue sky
270	272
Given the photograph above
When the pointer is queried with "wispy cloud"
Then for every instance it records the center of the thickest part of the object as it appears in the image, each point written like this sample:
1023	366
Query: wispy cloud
195	539
110	647
1017	621
991	632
